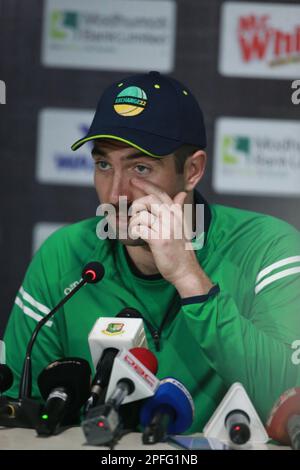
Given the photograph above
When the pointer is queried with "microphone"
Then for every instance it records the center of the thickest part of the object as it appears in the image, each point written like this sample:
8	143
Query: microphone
235	420
293	428
131	380
93	272
101	378
65	386
24	412
283	424
169	411
6	378
132	373
107	337
109	332
237	424
129	312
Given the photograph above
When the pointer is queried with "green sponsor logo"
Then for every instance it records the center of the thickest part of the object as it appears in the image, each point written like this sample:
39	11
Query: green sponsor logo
235	148
133	91
62	22
131	101
128	99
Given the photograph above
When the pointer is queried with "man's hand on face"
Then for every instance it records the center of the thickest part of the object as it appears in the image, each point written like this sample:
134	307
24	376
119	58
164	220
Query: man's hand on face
159	220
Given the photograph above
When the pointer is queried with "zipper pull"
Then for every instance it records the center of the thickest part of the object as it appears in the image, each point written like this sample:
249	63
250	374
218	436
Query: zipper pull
156	340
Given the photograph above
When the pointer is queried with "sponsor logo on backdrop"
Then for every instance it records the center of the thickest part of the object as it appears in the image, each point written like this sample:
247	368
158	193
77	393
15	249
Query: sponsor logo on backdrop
119	34
260	40
57	164
257	156
296	94
2	92
41	232
63	24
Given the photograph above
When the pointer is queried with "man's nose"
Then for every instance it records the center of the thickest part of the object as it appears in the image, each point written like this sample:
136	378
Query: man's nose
119	187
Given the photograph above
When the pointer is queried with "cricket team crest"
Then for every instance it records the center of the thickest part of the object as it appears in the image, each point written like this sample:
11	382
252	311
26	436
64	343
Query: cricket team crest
114	329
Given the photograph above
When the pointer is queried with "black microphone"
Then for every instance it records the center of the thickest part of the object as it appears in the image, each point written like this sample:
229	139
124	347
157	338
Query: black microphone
24	412
6	378
293	429
283	424
237	423
129	312
93	272
101	378
65	386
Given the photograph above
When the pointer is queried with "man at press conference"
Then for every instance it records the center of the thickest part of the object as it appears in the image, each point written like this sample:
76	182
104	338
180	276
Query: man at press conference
222	310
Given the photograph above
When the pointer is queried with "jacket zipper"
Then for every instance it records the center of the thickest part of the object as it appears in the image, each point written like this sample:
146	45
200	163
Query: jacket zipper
156	334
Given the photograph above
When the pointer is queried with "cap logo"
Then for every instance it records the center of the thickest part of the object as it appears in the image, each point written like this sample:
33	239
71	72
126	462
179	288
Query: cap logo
130	102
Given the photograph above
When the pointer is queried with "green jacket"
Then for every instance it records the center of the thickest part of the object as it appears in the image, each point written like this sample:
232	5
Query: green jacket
245	333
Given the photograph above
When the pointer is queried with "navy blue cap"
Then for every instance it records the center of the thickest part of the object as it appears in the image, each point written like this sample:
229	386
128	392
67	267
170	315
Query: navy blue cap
151	112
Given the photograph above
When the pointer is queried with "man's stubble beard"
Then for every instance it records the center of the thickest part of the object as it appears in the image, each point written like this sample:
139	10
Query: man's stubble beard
127	241
131	242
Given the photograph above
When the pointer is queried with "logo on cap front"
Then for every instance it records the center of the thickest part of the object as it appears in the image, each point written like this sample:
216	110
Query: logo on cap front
131	101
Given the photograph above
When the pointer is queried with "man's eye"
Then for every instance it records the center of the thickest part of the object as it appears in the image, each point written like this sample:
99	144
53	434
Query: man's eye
101	165
143	170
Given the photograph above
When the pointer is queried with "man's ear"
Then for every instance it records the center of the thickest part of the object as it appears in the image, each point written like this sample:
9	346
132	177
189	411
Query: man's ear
194	169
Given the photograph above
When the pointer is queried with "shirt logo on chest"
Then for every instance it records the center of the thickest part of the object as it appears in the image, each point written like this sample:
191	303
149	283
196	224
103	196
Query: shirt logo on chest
71	287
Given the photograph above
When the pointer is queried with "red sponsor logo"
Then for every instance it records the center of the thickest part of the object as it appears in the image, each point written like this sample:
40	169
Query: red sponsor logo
142	372
258	40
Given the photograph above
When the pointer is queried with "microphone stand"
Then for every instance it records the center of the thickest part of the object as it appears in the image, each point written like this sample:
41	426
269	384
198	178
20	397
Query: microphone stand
24	412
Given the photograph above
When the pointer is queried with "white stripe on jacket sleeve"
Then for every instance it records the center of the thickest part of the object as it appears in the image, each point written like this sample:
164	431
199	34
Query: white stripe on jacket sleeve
275	277
42	308
31	313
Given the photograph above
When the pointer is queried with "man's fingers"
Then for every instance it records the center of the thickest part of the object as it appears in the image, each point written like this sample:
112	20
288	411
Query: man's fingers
143	232
144	217
152	189
180	198
150	203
